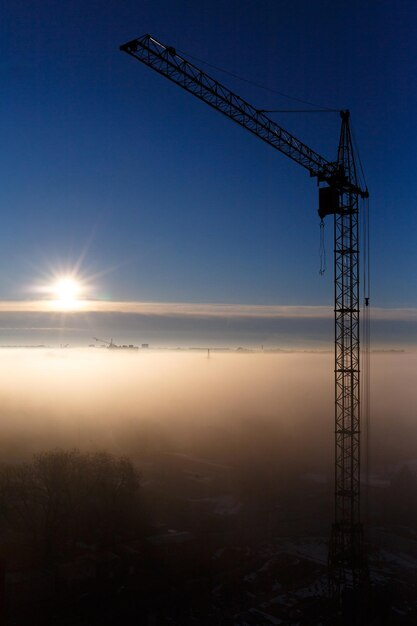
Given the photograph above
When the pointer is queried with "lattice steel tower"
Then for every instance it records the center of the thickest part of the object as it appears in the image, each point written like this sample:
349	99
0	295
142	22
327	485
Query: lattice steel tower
346	554
338	197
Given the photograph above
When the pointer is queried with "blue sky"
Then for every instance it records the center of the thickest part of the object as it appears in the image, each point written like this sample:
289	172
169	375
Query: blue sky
108	166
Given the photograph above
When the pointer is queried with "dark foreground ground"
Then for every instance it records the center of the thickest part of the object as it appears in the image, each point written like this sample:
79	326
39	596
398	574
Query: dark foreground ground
216	552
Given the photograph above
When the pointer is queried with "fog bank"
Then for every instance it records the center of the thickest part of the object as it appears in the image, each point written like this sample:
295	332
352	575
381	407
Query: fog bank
230	408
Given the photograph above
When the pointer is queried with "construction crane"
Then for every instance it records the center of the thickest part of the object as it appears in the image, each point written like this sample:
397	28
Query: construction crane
114	346
109	344
340	193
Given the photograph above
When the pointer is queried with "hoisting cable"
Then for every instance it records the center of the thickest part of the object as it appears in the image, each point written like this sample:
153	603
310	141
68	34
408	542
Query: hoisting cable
366	339
322	249
366	357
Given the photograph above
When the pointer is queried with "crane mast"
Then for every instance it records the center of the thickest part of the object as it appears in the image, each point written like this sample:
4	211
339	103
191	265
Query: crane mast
346	554
339	197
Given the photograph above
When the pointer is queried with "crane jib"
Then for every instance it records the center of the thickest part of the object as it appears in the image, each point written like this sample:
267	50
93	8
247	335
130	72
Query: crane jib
166	61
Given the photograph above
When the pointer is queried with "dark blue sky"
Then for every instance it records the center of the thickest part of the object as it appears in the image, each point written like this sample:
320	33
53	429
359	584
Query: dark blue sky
166	200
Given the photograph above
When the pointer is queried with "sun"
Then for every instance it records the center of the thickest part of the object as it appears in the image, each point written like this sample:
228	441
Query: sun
66	291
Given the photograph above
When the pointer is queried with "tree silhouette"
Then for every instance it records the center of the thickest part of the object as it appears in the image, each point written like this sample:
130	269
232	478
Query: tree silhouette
64	497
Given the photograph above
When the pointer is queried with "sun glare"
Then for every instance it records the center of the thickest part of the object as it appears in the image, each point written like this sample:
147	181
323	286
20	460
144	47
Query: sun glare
66	292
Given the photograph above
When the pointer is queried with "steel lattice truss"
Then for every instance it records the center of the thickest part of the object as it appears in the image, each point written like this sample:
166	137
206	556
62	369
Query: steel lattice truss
346	552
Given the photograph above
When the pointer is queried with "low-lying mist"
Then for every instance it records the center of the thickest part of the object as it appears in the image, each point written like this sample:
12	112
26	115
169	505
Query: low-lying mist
234	409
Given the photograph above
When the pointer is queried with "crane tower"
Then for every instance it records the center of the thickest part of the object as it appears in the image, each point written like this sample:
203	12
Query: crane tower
339	195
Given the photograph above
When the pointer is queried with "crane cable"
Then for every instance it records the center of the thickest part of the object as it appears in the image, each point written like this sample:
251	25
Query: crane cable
366	358
259	85
366	339
322	249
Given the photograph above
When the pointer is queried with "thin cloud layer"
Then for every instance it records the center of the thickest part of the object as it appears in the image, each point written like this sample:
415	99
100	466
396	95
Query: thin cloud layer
184	309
